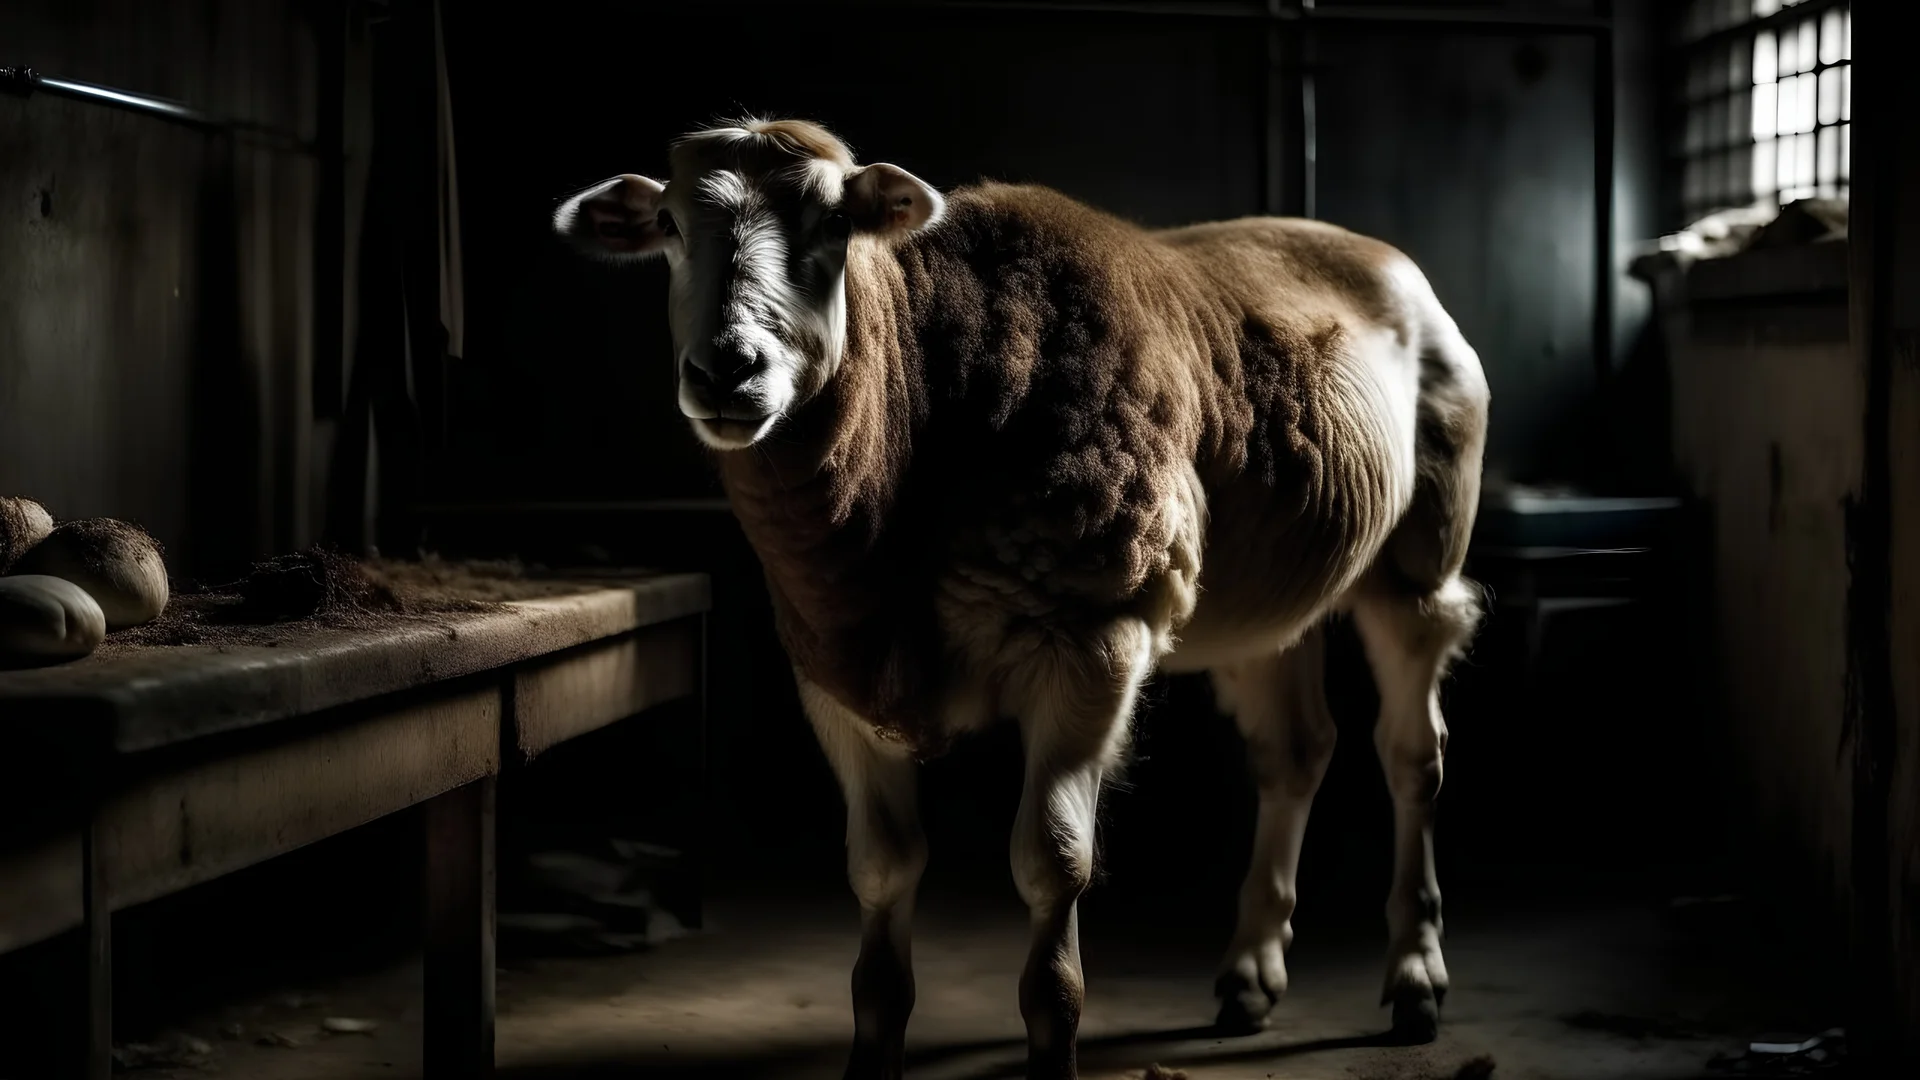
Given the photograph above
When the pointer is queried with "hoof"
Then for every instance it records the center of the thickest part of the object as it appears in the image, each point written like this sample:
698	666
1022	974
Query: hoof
1241	1016
873	1063
1416	1018
1246	1007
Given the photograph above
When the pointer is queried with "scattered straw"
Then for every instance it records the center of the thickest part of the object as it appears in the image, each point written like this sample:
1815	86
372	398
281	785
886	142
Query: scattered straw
324	590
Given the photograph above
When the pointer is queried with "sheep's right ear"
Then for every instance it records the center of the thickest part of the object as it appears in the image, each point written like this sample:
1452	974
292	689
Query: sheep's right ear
890	201
616	219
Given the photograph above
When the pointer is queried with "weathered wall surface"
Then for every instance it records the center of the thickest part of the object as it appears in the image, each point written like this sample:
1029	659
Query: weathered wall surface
1767	401
155	313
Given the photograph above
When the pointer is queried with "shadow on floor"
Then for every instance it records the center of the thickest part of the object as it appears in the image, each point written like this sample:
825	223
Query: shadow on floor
1173	1047
768	1064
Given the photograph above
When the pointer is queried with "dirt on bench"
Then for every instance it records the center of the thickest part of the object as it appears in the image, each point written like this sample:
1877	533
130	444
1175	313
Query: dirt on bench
319	589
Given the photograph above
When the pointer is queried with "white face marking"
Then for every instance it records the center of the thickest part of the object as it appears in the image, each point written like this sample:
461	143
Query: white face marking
757	298
755	227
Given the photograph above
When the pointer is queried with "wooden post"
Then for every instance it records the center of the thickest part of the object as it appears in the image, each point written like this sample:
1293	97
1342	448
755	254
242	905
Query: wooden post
96	961
1883	1028
459	836
700	857
56	1012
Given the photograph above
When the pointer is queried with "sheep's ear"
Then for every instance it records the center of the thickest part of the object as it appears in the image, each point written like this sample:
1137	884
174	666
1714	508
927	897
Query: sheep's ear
889	200
617	219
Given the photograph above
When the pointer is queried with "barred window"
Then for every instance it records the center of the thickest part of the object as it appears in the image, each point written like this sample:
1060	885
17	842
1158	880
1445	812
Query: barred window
1768	97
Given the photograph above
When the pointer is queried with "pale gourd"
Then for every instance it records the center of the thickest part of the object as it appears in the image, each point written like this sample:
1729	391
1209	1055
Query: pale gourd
23	523
47	618
118	564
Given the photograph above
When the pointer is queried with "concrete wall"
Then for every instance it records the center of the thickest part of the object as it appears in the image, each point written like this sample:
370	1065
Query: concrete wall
155	313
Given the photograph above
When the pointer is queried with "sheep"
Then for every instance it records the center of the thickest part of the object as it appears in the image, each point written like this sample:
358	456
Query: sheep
1002	455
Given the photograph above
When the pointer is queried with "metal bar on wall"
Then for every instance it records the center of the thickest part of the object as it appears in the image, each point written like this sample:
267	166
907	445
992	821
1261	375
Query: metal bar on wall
25	82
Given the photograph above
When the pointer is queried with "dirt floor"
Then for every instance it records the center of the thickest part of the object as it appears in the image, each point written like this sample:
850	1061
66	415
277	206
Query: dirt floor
1635	991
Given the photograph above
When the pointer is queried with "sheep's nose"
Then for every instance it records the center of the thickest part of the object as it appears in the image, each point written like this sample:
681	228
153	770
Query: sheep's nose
721	371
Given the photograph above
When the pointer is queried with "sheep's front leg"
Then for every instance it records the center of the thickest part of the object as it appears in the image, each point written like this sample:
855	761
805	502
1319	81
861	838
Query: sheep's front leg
886	852
1074	723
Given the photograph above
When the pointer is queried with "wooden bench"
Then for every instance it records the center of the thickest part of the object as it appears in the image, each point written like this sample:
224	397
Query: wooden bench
134	774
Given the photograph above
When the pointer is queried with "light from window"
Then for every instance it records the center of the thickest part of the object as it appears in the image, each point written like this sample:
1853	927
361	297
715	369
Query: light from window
1769	87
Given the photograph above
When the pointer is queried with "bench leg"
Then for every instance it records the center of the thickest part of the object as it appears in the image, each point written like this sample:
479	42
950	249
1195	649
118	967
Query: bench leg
56	1009
459	836
700	865
94	1037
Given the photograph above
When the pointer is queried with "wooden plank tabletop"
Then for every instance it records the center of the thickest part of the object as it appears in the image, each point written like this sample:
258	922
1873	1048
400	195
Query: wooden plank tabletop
129	701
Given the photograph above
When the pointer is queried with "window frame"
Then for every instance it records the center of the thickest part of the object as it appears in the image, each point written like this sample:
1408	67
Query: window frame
1712	146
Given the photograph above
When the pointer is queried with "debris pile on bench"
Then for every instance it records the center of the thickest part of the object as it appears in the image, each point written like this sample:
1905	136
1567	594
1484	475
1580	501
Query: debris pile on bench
319	589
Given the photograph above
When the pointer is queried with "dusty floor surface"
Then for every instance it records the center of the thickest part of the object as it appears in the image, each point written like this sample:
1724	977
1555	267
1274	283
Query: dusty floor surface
1630	991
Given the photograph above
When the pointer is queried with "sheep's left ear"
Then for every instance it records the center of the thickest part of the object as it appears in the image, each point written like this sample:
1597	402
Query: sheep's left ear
615	219
890	201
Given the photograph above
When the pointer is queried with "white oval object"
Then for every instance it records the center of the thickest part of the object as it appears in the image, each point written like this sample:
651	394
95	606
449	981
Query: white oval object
23	523
47	618
118	564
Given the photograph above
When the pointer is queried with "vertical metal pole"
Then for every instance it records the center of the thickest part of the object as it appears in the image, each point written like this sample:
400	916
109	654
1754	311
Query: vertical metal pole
1603	248
1306	55
1273	123
330	217
1289	127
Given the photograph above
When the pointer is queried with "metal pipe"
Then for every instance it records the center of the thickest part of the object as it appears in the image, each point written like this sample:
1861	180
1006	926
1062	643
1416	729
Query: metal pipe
119	99
1465	19
1462	19
1277	130
25	82
1187	9
1272	105
1603	248
1309	114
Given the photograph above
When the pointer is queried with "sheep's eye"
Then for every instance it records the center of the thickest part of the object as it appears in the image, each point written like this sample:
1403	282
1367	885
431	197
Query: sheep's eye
665	223
838	225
